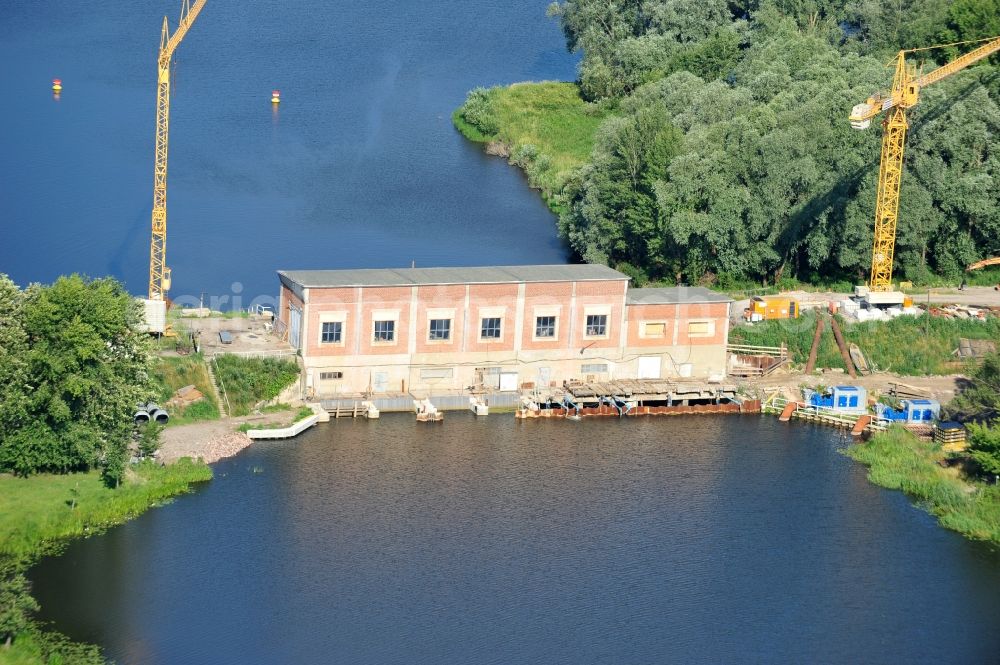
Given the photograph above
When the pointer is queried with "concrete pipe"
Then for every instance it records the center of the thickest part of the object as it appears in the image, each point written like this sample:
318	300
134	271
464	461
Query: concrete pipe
159	416
141	417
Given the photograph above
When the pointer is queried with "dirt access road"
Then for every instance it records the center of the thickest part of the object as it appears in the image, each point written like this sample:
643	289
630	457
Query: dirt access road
942	388
212	440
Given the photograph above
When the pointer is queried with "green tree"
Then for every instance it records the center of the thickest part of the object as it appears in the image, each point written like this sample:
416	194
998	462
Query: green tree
980	401
86	367
16	603
149	439
984	447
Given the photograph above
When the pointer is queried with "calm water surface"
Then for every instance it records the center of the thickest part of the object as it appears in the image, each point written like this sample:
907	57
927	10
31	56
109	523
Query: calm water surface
485	541
360	166
694	539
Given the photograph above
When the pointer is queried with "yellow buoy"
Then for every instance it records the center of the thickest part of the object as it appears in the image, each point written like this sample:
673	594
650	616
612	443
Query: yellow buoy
57	84
275	96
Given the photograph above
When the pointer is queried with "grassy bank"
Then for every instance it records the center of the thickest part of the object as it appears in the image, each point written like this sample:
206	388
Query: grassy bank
545	128
47	508
40	512
906	345
173	372
249	381
900	461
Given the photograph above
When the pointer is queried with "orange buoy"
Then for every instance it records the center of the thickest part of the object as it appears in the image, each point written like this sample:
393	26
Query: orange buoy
275	96
56	85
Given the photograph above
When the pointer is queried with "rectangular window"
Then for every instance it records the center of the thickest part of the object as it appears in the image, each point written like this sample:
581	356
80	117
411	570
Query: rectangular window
545	326
330	376
701	329
490	328
654	330
332	331
385	331
440	329
594	368
597	325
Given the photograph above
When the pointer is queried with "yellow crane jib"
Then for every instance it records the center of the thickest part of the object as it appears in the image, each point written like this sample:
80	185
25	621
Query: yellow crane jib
159	273
905	93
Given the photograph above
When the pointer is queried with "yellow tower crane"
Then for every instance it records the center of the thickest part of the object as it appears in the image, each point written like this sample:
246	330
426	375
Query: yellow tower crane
905	93
159	273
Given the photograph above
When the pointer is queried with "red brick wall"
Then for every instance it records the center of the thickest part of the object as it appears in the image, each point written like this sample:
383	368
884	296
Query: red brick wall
679	316
486	296
451	297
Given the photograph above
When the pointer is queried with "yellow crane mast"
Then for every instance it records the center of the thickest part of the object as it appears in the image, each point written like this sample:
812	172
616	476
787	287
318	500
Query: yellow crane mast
159	273
905	93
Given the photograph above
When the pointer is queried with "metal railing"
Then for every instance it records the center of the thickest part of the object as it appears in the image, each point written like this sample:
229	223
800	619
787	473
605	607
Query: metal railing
776	404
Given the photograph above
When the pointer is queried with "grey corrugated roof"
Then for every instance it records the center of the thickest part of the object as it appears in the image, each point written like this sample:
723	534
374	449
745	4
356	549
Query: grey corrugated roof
431	276
674	295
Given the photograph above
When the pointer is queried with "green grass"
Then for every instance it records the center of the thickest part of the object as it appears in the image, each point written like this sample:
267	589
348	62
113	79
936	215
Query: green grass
249	381
38	510
39	513
900	461
797	334
906	345
171	373
547	127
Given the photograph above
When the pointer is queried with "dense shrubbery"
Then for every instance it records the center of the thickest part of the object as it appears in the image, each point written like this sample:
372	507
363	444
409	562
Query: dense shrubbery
981	400
72	369
248	381
730	156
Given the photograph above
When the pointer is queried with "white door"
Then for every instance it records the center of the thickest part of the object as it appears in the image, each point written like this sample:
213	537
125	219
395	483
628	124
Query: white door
508	381
380	382
295	326
649	367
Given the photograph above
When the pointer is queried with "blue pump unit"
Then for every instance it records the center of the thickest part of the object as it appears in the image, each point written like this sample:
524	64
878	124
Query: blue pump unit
849	399
912	411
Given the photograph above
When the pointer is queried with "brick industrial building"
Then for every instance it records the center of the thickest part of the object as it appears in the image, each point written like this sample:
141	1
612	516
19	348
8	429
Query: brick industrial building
441	330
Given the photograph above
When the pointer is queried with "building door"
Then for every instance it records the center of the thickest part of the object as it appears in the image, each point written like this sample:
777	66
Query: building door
295	326
380	382
508	382
649	367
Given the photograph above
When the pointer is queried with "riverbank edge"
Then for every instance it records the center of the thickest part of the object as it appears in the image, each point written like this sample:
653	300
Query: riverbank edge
158	486
544	128
899	460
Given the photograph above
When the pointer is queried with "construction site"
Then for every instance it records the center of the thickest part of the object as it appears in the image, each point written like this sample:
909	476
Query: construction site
371	341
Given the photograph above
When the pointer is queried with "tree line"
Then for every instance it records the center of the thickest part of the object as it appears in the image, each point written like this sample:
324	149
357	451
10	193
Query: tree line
73	367
728	157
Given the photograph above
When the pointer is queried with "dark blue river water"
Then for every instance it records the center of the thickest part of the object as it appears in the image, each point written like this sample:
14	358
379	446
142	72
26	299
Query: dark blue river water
715	540
649	540
359	167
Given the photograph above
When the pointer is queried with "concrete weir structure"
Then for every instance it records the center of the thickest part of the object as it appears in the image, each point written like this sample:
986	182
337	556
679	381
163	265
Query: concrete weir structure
444	331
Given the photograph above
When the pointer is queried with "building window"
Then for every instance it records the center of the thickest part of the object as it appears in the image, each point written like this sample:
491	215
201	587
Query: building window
330	376
385	331
440	329
654	329
332	331
594	368
597	325
545	326
490	328
701	328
